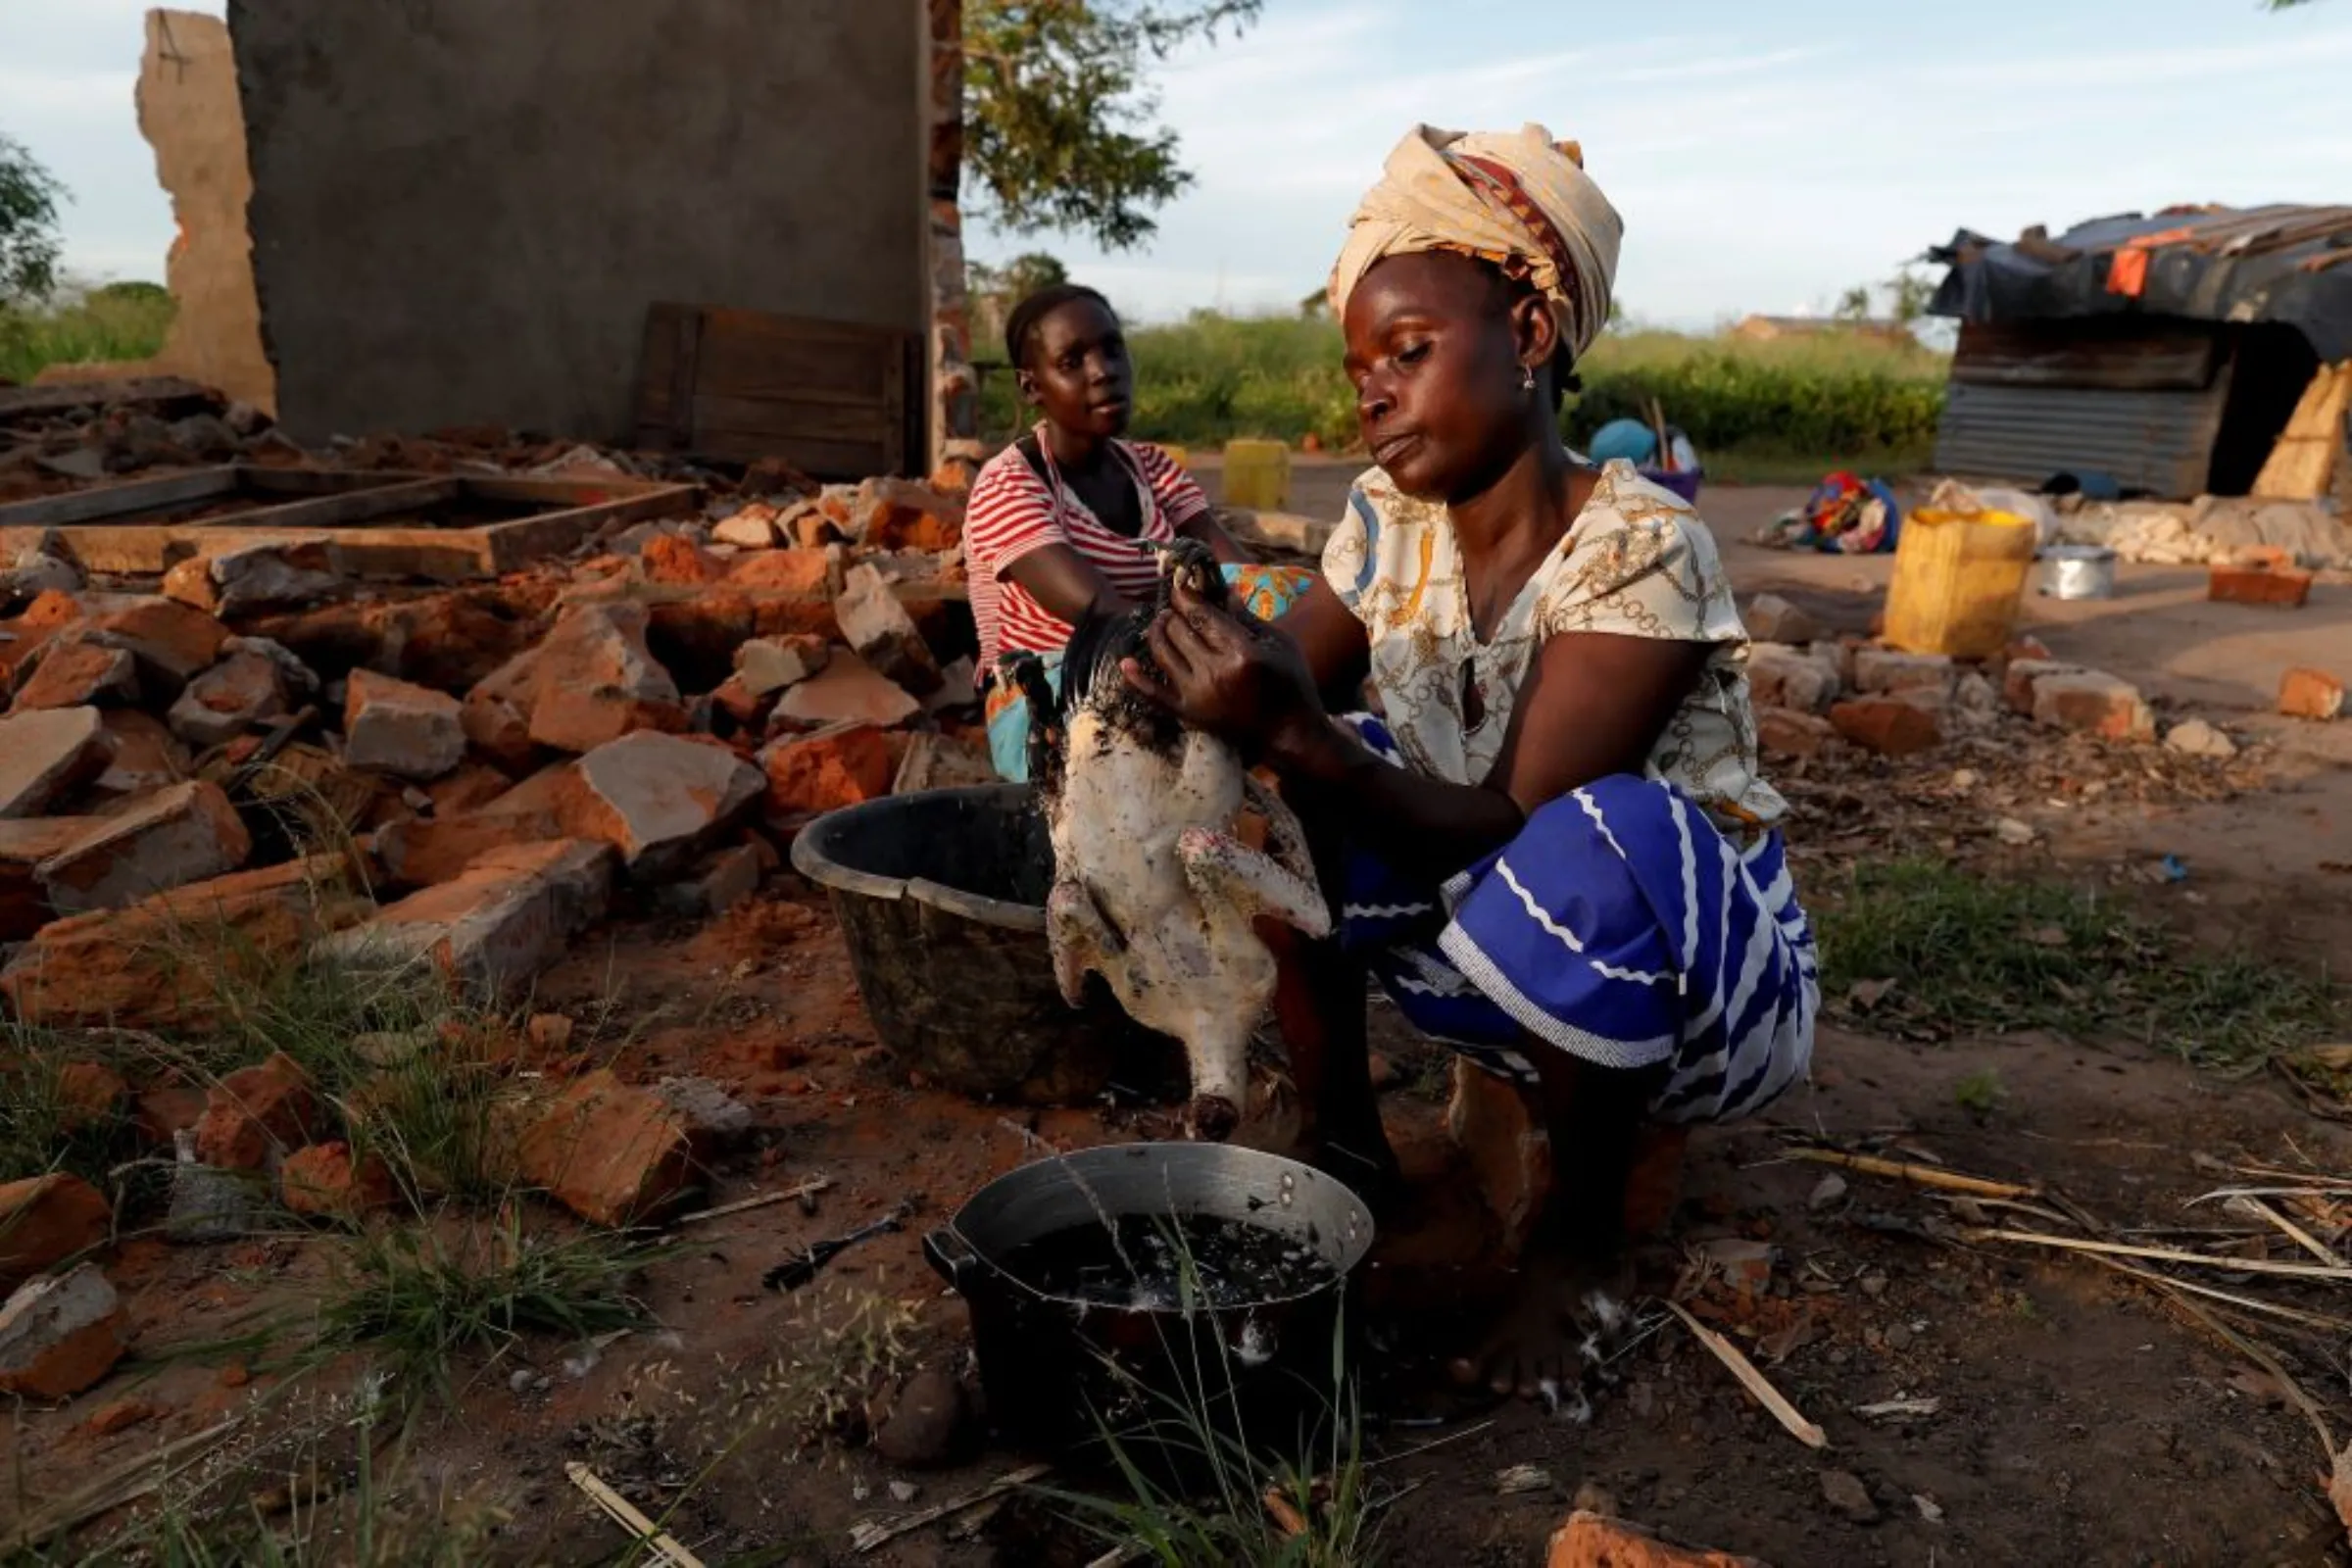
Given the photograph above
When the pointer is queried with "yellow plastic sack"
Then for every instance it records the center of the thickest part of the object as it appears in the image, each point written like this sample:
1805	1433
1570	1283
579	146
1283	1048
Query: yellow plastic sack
1257	475
1958	579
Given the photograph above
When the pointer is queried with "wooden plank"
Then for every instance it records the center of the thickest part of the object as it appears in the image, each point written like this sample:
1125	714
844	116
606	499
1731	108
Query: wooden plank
2305	457
334	511
62	397
119	500
511	546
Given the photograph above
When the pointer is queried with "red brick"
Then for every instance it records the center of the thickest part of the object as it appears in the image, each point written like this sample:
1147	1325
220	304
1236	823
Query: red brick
660	800
61	1336
324	1181
45	754
1887	725
171	643
847	691
176	836
90	1093
832	768
2310	694
119	1416
397	727
2095	702
166	1109
666	558
1592	1541
2017	681
73	673
608	1152
243	690
257	1113
902	516
493	930
161	963
46	1219
807	572
1781	732
2285	588
427	850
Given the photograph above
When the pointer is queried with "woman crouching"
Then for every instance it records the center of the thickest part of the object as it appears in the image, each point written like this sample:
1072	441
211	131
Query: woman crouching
1555	848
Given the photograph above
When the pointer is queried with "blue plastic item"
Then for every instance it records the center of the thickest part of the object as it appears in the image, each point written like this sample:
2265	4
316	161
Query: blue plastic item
1630	439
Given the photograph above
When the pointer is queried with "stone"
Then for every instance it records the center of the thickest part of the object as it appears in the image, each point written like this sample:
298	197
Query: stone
141	753
1792	678
395	727
716	884
260	578
2281	587
498	730
23	845
1976	702
37	572
752	528
448	641
2095	703
768	664
713	1118
1845	1492
2314	694
2195	737
45	754
89	1095
609	1152
592	680
256	1114
325	1182
1886	670
1509	1153
884	634
1770	618
495	926
660	800
848	691
669	558
807	572
185	833
1591	1540
74	671
172	642
2023	675
165	1109
61	1336
46	1219
161	963
930	1423
902	514
1886	725
834	767
936	761
119	1416
244	690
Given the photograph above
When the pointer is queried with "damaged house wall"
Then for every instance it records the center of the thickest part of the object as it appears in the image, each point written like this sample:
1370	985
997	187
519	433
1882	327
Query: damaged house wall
461	211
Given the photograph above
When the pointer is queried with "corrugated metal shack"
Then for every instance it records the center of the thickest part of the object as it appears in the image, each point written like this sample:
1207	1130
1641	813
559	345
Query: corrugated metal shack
2169	352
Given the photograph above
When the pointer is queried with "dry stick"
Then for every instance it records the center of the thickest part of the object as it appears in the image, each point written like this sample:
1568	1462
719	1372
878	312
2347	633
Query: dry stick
2259	1354
808	1189
1431	1446
2302	1238
2166	1255
125	1483
622	1513
871	1537
1917	1175
1723	1350
2248	1303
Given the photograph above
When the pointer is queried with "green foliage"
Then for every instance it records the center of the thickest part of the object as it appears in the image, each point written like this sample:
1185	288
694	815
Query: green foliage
29	242
41	1127
994	291
1980	1093
1971	955
118	321
1060	124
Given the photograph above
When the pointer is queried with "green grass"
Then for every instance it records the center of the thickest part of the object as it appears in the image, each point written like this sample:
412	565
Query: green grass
41	1127
1974	955
1783	411
114	322
419	1300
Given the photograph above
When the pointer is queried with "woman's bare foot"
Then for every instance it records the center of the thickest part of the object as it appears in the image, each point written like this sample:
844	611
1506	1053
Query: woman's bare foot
1563	1322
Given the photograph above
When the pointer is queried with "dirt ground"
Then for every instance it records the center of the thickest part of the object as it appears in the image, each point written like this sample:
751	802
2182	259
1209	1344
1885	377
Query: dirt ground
2069	1415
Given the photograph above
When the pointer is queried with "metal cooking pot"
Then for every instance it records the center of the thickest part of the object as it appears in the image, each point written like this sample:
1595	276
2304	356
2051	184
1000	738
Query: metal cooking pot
1060	1372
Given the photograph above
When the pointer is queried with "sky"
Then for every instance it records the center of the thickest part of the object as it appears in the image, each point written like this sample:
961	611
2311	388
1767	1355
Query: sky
1764	158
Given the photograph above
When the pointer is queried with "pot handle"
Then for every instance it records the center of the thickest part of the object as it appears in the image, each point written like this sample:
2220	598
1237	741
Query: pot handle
950	1255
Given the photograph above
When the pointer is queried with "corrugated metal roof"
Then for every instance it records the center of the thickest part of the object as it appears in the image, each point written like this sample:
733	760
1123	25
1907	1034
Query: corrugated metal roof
2159	442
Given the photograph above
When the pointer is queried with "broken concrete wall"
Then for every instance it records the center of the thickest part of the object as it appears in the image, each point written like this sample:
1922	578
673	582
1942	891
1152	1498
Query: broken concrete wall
188	112
462	210
954	386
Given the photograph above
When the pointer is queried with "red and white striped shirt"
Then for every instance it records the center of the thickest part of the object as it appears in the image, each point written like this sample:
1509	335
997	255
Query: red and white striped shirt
1014	510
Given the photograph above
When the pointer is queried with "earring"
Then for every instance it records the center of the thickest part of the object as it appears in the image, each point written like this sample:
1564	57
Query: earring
1527	378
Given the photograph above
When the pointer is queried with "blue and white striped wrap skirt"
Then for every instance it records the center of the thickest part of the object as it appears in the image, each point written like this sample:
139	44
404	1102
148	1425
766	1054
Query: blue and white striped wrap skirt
1620	926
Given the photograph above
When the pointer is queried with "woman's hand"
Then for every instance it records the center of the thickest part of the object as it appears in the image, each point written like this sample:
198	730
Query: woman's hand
1233	676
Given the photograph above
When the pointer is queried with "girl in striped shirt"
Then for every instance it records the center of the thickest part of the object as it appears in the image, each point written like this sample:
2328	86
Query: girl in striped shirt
1057	521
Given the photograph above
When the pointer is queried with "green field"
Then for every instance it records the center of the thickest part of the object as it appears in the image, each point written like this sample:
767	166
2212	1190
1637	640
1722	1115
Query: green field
1761	410
114	322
